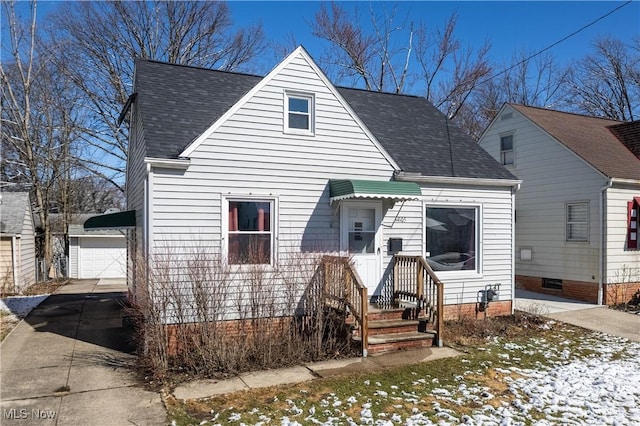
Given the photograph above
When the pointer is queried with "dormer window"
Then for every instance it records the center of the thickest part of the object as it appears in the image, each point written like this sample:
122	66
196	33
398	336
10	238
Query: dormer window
299	113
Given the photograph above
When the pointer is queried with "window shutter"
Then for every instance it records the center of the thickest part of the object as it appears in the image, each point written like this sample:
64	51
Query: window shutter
632	225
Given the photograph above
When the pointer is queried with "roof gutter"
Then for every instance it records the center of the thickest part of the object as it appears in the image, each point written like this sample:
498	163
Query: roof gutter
620	181
167	163
449	180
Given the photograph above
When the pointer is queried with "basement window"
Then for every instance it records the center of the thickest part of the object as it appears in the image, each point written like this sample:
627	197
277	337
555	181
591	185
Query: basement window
552	283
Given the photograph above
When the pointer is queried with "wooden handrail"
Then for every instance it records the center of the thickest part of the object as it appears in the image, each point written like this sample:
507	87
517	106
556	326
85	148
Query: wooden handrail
343	286
415	282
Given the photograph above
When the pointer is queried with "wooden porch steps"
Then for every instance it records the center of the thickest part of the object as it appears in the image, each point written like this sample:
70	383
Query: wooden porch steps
394	330
380	343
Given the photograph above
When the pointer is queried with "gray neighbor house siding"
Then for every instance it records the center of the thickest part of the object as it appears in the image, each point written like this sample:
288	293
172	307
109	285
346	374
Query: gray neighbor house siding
202	139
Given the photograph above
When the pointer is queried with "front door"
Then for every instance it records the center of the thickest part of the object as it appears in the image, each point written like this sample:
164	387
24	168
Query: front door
361	238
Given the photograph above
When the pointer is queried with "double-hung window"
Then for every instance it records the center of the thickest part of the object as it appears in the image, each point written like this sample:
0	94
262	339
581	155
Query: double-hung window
506	150
299	113
577	222
452	238
250	231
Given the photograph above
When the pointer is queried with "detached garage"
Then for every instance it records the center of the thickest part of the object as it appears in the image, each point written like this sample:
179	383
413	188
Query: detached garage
97	254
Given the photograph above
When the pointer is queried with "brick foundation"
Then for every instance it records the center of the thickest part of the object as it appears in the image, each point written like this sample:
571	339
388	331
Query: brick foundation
228	329
579	290
468	310
616	293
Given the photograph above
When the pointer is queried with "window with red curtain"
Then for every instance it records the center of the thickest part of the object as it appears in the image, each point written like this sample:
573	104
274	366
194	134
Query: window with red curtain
633	214
250	237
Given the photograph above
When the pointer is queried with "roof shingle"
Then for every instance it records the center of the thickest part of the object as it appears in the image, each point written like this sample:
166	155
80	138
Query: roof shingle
629	135
178	103
13	207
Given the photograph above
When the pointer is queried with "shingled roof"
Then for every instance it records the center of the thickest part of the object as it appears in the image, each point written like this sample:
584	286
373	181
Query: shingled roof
629	135
590	138
13	207
178	103
420	138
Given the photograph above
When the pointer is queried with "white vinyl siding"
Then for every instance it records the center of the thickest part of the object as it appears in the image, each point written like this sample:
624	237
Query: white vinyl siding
495	240
73	257
552	177
618	259
250	155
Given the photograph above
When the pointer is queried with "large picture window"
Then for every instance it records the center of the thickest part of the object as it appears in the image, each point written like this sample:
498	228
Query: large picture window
250	231
452	235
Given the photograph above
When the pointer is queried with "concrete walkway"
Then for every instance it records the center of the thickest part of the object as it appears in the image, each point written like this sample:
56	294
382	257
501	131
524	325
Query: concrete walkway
69	363
582	314
198	389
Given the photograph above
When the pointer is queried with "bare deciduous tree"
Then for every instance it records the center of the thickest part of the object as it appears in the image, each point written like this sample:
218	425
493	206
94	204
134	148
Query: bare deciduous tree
400	57
102	39
450	72
38	119
534	81
606	83
376	58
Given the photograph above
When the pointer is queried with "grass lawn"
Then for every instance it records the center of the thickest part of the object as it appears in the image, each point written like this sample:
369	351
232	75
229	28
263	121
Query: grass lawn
516	370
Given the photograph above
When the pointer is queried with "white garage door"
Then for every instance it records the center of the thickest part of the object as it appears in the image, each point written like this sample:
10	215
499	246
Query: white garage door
102	257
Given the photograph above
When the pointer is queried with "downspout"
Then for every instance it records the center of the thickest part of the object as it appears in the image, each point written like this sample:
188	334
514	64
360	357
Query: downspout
514	189
602	248
147	207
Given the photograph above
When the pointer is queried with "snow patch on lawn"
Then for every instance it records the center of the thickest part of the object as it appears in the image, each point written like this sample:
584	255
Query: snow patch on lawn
600	388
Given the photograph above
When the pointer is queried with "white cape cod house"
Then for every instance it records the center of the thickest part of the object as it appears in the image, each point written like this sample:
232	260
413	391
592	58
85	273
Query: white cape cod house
256	168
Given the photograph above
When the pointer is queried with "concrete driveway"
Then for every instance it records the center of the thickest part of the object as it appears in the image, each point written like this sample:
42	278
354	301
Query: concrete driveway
582	314
70	363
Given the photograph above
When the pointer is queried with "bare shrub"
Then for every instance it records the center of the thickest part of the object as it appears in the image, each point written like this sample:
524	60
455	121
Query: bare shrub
621	291
472	332
198	314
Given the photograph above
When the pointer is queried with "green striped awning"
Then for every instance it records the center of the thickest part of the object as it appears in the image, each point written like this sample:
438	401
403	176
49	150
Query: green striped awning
119	220
343	189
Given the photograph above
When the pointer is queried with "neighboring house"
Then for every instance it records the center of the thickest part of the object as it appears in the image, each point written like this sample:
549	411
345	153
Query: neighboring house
577	211
96	253
257	168
17	242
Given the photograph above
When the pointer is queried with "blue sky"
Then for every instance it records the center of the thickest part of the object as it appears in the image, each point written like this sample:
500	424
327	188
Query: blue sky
509	26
